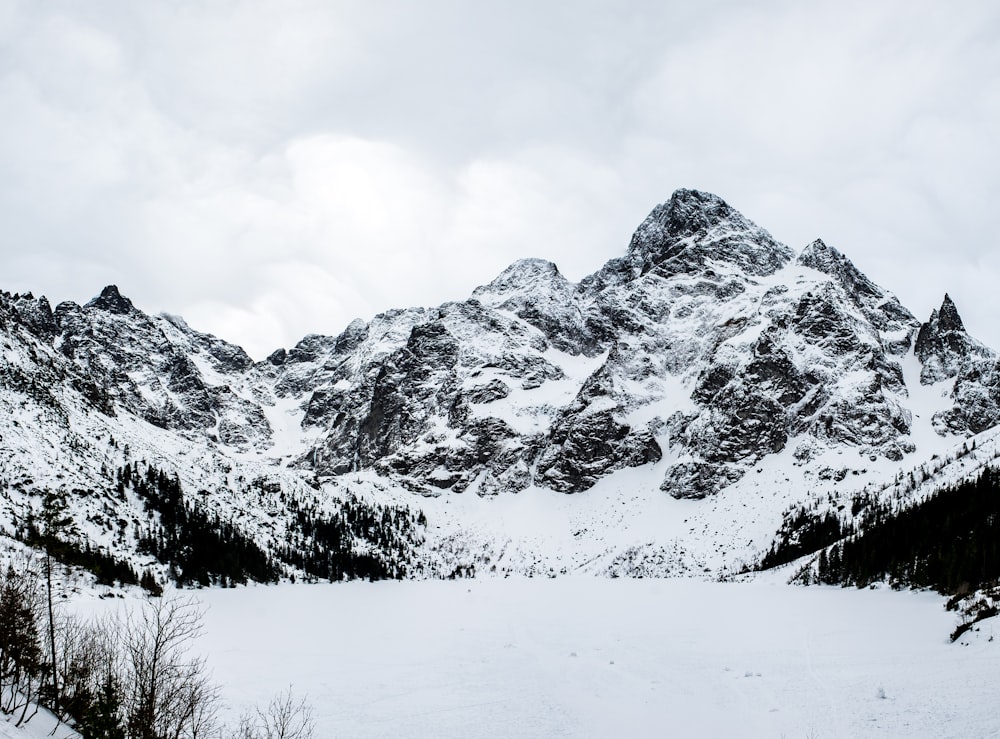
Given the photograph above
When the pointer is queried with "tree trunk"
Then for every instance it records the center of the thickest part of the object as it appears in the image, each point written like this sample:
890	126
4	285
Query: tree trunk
52	631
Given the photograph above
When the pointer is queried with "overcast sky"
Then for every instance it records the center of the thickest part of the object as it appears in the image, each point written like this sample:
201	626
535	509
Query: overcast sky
271	169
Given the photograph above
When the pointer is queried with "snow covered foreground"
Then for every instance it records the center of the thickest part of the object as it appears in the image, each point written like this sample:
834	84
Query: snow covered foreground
43	725
590	657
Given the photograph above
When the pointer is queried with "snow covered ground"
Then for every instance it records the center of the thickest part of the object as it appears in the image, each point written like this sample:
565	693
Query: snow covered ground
592	657
41	726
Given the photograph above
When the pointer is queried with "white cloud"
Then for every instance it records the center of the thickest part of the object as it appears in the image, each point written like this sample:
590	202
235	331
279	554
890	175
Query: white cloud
345	227
270	169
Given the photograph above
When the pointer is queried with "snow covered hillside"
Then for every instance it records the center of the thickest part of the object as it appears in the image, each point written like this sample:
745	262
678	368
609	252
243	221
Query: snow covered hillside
660	417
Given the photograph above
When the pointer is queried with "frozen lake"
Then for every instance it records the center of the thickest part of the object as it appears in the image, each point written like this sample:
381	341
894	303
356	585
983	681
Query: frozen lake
587	657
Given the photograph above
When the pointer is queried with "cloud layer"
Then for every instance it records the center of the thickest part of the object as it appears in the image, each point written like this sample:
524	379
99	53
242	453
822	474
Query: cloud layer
272	169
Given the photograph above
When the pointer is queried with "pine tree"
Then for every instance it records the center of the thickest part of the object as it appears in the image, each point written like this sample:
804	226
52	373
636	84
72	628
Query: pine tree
149	584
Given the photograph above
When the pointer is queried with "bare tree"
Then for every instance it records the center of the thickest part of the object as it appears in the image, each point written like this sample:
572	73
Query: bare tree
95	677
167	694
284	718
73	658
89	675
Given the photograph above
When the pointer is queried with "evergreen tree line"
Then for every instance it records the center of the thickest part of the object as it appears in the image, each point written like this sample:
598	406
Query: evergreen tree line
805	530
119	678
950	542
107	568
358	542
53	532
199	547
802	532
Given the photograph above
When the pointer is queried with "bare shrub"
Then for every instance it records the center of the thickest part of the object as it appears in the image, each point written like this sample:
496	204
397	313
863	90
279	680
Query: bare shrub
284	718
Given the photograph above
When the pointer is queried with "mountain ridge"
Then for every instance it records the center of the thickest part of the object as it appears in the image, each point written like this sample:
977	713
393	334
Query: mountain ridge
706	363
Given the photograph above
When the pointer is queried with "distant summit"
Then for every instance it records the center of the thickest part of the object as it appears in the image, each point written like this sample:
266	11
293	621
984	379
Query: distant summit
112	301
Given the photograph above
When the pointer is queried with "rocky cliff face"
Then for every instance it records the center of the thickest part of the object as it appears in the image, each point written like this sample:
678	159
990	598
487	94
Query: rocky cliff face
949	355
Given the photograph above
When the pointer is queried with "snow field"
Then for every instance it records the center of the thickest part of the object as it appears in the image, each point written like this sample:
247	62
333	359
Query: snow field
42	726
592	657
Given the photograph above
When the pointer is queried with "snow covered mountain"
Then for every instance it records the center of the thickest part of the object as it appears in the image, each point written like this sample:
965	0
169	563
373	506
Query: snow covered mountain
686	393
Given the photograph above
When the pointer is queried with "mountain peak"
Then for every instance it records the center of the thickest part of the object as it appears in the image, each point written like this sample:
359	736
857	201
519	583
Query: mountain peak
695	227
824	258
522	277
820	256
943	345
947	316
111	301
689	214
687	234
529	267
689	211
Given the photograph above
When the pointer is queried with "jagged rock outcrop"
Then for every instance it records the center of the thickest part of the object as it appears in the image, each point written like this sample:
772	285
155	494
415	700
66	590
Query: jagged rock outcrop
535	291
689	234
35	314
591	437
112	301
883	310
947	351
944	347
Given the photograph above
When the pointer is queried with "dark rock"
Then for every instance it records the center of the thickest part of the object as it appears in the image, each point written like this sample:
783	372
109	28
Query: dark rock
977	399
584	448
943	346
311	348
351	337
536	292
493	390
112	301
742	424
882	309
687	234
414	384
698	479
35	315
820	319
